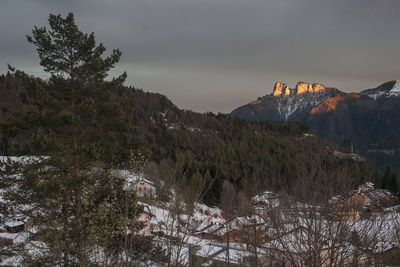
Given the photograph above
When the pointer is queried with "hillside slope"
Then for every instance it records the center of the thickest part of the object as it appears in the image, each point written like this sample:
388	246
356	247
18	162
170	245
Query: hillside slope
250	155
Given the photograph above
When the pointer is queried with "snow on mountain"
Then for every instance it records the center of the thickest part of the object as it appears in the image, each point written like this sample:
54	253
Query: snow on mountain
292	104
288	104
386	90
301	99
396	89
285	104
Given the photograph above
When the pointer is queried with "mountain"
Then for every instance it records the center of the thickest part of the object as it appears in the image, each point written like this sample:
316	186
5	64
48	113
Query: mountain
286	104
367	122
215	147
386	90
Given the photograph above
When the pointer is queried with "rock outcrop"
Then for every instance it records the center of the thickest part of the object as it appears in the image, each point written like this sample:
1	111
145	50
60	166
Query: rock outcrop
281	89
318	87
302	88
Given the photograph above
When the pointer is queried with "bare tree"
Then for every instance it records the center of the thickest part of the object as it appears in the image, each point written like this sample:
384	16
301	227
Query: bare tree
177	214
310	230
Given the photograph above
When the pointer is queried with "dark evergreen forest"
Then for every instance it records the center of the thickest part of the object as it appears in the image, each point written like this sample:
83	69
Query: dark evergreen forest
250	155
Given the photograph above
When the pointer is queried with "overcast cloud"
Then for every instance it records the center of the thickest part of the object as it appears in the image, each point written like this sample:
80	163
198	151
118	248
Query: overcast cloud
218	54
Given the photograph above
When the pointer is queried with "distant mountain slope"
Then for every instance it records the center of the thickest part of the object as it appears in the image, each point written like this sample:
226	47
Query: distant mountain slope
386	90
364	120
250	155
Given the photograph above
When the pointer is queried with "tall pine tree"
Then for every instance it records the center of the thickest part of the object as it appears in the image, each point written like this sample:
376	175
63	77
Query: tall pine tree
78	132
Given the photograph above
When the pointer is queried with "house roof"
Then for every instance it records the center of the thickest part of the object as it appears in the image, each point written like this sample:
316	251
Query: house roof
141	179
212	223
217	224
375	194
267	198
243	221
131	177
378	194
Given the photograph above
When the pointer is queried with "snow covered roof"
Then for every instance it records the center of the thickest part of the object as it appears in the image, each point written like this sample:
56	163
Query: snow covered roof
130	177
243	221
212	223
392	209
267	198
378	194
15	237
366	187
14	223
141	179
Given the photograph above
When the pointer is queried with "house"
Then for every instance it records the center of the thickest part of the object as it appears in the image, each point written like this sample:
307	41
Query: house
237	229
265	202
366	199
211	228
369	199
4	237
144	188
248	229
14	226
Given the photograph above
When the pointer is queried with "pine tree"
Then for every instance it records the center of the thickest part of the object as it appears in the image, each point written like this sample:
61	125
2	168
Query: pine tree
78	132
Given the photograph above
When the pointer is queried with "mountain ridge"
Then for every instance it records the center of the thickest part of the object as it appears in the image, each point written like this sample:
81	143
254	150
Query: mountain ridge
365	119
285	103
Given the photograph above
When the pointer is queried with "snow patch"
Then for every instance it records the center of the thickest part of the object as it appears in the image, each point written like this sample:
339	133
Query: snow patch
395	90
378	93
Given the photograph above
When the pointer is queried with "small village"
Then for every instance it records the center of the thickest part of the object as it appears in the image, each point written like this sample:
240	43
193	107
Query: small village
194	133
361	228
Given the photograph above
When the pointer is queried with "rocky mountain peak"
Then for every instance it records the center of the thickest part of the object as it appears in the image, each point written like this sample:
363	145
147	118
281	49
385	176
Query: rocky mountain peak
282	89
286	103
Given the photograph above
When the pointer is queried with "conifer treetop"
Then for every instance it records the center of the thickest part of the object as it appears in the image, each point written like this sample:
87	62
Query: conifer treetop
67	52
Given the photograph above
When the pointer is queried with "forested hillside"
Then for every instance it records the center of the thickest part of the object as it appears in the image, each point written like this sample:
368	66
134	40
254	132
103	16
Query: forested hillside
208	147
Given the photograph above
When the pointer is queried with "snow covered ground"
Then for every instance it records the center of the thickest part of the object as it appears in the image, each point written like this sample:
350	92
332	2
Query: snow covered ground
177	225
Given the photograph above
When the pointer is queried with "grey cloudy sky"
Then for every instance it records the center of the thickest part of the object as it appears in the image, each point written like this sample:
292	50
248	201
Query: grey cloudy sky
214	55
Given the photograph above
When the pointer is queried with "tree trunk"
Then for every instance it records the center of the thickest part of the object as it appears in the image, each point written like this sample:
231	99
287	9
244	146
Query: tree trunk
76	174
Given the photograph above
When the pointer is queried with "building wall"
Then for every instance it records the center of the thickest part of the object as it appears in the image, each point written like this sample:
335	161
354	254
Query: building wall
358	200
144	189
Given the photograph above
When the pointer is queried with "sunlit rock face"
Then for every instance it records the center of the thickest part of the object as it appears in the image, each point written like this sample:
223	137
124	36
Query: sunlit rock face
281	89
318	87
303	87
287	91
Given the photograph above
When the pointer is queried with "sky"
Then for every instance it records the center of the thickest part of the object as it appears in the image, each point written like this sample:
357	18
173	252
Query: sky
215	55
